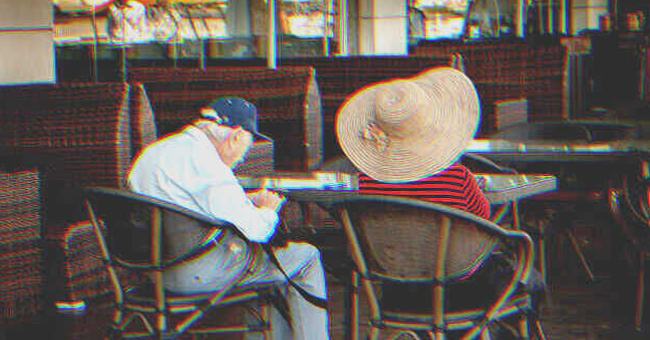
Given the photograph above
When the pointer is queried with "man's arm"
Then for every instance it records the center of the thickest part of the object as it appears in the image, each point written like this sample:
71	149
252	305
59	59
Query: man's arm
228	201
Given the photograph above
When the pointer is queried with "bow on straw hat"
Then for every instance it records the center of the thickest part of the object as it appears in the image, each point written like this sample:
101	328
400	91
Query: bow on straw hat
406	129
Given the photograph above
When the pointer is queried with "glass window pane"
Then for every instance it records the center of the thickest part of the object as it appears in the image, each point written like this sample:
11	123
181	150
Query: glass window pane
491	18
438	19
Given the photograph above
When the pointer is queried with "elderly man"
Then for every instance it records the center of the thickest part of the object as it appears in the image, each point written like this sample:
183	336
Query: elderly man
193	169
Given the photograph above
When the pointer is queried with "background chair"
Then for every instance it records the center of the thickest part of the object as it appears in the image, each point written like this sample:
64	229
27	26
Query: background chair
399	240
629	202
137	238
580	188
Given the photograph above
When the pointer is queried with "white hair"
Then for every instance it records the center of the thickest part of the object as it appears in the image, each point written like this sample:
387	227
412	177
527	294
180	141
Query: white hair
220	132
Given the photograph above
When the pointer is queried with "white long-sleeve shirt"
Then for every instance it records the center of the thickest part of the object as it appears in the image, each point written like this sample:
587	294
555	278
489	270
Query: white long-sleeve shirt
185	169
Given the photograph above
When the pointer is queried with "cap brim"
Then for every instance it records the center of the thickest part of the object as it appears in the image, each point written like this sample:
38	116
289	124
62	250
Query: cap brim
261	136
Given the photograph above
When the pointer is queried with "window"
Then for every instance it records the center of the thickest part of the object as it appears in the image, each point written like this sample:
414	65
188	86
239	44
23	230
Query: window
454	19
442	19
307	18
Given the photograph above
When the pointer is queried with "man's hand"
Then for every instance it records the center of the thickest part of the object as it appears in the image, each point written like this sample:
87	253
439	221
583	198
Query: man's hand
267	199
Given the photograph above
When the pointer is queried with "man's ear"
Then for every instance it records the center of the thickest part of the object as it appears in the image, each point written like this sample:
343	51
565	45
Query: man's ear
233	137
237	133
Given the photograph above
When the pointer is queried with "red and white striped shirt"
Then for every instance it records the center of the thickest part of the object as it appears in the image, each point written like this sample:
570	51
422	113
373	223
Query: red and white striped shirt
454	186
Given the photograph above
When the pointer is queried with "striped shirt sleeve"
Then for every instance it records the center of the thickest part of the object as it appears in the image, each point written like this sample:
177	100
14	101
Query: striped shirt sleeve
455	187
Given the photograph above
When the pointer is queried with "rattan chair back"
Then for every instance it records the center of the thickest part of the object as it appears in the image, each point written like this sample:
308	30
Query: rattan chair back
403	240
142	236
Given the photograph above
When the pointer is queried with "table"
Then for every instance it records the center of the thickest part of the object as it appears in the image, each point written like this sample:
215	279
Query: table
297	181
505	188
498	188
632	148
558	151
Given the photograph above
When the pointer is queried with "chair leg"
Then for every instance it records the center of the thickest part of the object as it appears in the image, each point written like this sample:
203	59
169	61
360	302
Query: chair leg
264	310
539	330
640	291
374	333
581	256
485	334
523	328
543	266
352	310
113	333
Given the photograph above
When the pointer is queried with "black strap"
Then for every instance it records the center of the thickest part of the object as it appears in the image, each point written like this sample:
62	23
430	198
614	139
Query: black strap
311	298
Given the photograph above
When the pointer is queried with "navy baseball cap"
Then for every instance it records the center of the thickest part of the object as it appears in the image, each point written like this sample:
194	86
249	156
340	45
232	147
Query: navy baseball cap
233	111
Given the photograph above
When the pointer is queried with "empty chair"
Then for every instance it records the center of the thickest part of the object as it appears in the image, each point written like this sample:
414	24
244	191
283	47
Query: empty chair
133	233
400	240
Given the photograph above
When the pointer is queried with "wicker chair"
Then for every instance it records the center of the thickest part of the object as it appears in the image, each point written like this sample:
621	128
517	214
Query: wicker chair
21	253
629	202
137	229
399	240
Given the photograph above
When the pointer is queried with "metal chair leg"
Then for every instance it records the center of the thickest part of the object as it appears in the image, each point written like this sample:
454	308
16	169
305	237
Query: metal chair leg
265	312
352	310
640	297
374	333
523	327
581	256
539	330
485	334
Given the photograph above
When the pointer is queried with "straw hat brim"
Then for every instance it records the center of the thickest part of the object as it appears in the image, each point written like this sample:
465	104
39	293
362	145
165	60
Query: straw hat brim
454	104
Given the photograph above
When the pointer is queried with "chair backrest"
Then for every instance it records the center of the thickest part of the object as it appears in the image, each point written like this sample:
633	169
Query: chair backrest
21	249
288	101
408	240
630	205
340	164
143	232
548	131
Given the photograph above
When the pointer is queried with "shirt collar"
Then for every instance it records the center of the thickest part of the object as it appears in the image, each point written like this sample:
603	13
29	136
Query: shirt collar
196	133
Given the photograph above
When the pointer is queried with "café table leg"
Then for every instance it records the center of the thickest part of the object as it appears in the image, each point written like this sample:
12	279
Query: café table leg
352	308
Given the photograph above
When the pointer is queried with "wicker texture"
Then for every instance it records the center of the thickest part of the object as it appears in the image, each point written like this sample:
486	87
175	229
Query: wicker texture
259	159
399	240
21	254
336	78
402	242
77	135
78	273
83	128
137	229
511	70
143	126
287	99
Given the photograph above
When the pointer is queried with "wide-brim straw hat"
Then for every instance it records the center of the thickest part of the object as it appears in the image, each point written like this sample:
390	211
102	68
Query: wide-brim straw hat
406	129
